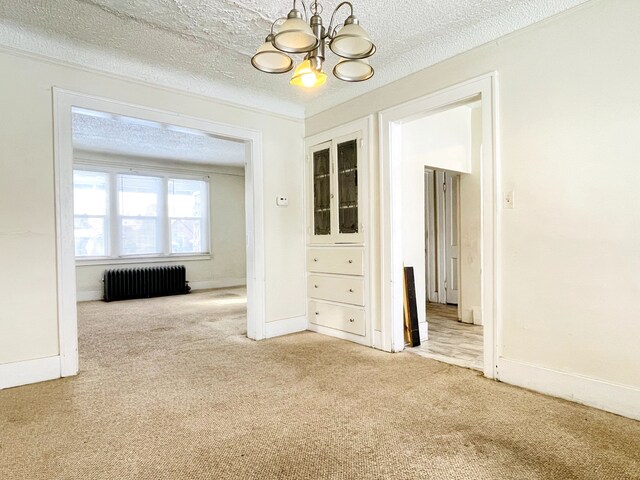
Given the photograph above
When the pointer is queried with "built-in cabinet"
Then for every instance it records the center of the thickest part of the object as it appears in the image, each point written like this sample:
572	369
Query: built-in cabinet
335	168
337	254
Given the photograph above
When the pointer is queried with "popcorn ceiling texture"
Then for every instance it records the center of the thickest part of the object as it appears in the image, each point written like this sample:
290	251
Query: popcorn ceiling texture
142	138
205	46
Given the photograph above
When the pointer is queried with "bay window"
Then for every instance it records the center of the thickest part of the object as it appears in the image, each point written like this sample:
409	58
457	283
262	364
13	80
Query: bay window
121	215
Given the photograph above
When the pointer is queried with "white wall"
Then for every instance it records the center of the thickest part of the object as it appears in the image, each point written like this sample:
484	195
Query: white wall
227	263
28	317
568	123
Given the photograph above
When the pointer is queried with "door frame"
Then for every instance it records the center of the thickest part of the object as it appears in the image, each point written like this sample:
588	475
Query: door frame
390	130
63	102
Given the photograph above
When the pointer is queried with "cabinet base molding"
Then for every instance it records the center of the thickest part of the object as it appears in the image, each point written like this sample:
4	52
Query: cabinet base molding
285	327
331	332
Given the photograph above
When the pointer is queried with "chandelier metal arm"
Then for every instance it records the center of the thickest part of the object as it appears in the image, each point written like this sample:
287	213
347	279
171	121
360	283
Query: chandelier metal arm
304	6
276	21
330	31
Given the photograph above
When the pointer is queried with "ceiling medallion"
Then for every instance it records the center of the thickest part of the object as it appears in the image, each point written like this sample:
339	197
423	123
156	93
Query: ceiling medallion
304	35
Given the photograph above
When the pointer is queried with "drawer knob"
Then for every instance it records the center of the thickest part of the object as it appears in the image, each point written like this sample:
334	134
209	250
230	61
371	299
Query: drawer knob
350	261
315	259
315	286
351	290
351	320
317	313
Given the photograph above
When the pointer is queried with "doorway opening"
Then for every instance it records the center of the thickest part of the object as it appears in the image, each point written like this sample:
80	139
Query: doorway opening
446	148
157	209
463	158
161	209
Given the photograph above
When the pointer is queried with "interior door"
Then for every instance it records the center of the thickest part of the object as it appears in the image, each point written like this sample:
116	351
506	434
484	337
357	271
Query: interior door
452	235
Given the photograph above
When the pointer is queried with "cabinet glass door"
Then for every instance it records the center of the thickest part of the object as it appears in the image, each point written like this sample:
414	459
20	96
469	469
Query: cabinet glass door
347	186
322	192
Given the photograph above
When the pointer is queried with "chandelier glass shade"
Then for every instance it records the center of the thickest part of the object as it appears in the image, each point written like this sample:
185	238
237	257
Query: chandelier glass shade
353	70
271	60
352	41
300	34
295	36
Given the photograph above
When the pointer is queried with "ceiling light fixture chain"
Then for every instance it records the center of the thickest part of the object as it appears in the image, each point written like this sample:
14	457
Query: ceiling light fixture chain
308	36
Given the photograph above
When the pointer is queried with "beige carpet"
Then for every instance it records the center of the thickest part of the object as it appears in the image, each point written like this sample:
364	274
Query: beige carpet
170	388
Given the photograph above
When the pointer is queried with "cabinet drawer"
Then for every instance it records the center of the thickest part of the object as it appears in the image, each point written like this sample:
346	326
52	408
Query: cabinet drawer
336	289
347	319
345	261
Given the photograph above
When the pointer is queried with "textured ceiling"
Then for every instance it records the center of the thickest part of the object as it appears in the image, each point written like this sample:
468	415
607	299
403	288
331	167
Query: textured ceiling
205	45
116	134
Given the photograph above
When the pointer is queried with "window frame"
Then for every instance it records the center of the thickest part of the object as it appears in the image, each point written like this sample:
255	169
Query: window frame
113	228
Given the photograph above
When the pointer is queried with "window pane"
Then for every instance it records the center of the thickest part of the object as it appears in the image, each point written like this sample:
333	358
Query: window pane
90	237
139	236
139	195
186	198
348	186
321	193
186	236
90	192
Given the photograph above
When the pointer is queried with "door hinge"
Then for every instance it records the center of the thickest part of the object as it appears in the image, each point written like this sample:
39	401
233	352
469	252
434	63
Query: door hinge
444	187
361	143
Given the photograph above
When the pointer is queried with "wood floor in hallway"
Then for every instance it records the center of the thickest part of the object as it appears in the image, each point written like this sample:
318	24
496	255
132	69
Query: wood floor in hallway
451	341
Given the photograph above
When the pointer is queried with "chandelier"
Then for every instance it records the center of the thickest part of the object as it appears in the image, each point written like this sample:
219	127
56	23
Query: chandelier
304	35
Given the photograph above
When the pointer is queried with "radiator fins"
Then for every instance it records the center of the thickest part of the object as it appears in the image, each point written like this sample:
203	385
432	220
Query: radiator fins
128	283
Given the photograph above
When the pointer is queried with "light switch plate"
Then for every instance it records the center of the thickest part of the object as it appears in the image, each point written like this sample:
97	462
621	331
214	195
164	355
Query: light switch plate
282	201
507	202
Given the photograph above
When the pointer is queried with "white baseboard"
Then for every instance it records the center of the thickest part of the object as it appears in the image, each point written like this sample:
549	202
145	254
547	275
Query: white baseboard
285	327
89	296
219	283
620	399
423	329
29	371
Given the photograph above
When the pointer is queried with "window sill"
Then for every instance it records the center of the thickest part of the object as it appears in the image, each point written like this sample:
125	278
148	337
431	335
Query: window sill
81	262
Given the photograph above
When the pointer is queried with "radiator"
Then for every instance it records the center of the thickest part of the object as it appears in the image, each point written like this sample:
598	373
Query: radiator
127	283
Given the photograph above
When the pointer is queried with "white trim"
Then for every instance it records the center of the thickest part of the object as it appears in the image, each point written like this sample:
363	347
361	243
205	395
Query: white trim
286	326
332	332
377	339
423	329
391	295
133	260
29	371
218	283
63	101
619	399
89	295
